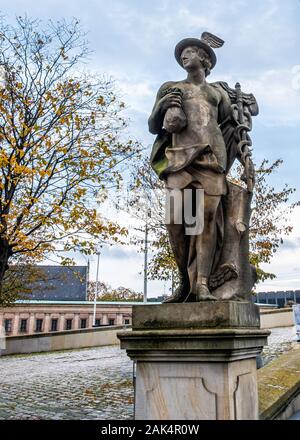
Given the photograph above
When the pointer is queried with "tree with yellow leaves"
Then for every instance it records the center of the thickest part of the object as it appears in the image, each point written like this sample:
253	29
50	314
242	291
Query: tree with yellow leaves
108	293
59	145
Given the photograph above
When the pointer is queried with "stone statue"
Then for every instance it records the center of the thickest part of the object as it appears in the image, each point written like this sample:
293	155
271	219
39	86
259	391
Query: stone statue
201	129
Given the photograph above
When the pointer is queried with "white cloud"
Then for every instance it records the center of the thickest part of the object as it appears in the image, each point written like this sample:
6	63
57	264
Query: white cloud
278	98
138	96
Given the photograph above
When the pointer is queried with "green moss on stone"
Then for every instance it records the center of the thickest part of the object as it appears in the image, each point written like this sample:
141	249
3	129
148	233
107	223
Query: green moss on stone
278	382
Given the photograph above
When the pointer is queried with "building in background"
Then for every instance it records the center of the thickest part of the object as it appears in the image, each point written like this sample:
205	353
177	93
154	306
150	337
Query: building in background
280	298
30	317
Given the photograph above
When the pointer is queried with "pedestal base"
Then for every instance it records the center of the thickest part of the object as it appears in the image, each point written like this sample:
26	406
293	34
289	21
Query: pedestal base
195	373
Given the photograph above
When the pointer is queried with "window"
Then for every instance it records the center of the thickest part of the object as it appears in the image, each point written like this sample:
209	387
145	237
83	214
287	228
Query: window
97	322
83	323
111	322
38	325
127	321
54	325
23	325
8	325
68	324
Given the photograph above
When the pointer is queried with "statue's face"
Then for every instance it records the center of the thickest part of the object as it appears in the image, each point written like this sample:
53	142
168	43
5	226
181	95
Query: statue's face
190	58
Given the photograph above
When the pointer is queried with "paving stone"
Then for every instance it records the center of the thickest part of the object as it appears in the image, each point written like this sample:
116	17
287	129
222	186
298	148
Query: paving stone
280	341
77	384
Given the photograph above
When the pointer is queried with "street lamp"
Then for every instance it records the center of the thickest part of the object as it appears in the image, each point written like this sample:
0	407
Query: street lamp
148	214
98	247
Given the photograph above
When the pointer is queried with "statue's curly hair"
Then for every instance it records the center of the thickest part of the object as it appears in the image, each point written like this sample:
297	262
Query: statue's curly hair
205	58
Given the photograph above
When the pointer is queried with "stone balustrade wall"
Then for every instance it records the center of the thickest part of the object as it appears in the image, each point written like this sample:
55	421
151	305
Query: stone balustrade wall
71	339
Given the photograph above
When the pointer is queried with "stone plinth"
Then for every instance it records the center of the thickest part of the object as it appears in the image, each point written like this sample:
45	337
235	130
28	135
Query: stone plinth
195	361
209	314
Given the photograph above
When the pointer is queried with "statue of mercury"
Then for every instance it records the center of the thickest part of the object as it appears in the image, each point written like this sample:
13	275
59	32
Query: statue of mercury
201	129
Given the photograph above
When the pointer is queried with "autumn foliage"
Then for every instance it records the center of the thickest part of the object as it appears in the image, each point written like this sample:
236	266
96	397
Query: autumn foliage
60	144
105	292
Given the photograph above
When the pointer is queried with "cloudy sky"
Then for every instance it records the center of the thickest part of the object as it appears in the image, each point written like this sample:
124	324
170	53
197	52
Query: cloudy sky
134	41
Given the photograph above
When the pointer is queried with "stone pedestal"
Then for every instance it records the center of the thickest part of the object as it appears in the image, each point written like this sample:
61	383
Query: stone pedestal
195	361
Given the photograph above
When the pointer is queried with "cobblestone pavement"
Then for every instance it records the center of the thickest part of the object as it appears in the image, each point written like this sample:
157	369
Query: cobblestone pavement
279	341
93	383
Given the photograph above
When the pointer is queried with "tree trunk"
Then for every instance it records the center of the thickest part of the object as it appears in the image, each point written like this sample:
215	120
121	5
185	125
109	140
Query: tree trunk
5	253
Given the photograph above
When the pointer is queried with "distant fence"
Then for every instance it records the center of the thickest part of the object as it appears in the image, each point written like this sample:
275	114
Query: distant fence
69	339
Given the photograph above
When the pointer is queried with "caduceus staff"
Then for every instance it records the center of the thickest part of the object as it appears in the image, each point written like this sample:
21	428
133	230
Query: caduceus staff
245	142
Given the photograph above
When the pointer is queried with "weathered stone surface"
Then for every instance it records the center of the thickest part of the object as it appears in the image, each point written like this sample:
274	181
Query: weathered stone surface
279	386
195	361
207	314
214	345
192	391
195	374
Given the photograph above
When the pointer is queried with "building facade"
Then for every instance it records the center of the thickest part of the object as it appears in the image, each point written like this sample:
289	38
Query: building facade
281	298
30	317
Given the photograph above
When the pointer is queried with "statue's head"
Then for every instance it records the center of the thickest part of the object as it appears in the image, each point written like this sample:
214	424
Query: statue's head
190	51
192	57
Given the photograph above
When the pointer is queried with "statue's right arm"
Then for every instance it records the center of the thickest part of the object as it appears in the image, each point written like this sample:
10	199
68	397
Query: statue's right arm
162	102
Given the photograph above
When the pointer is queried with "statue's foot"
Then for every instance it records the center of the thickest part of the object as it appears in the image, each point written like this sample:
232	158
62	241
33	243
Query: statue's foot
202	293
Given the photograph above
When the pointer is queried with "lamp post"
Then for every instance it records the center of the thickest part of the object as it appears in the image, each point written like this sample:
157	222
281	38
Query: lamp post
146	260
97	286
148	214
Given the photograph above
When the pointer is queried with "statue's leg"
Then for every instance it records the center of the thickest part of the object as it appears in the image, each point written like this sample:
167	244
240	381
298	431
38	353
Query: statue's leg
179	243
179	246
204	248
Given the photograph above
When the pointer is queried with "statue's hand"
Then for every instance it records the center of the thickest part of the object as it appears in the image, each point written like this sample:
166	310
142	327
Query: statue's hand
172	99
